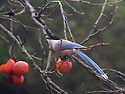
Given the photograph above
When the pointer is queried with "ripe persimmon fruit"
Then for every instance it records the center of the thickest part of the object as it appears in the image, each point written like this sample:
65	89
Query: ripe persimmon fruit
20	68
16	80
63	65
8	67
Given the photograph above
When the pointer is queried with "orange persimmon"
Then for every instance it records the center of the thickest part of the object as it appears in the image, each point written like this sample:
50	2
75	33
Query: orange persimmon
20	68
16	80
8	67
63	65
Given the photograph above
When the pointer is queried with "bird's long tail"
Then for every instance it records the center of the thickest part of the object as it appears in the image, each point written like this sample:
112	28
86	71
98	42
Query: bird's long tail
91	63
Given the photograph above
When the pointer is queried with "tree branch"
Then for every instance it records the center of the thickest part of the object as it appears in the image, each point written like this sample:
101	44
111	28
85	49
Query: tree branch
95	25
108	83
43	73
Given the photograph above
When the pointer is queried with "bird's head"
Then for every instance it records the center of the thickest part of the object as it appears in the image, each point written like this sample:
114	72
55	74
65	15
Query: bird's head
52	40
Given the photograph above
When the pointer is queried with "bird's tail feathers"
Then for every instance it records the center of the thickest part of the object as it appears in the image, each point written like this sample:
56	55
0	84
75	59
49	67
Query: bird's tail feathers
105	76
91	63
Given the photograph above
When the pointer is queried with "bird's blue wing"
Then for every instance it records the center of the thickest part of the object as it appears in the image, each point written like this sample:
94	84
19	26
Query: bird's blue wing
91	63
71	46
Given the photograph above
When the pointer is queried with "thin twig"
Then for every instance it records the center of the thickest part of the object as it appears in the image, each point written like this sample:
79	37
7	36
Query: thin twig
116	71
96	4
4	38
43	8
106	92
73	8
70	31
95	25
63	16
107	82
15	40
96	45
42	48
38	21
2	7
14	3
16	21
65	22
49	59
36	57
46	31
102	29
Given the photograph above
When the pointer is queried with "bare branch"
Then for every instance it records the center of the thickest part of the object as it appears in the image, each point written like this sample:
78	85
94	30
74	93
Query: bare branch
44	7
107	82
63	16
20	45
24	5
42	48
97	4
92	33
73	8
4	38
49	59
48	80
2	7
96	45
38	21
116	71
95	25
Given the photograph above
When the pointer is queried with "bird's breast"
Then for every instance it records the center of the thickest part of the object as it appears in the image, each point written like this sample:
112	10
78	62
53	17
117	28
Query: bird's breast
68	52
63	43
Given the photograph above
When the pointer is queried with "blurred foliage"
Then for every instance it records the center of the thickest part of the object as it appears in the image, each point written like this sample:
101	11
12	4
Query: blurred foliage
78	80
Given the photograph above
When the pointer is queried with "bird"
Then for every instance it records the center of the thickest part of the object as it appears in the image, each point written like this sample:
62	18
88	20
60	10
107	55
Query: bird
66	47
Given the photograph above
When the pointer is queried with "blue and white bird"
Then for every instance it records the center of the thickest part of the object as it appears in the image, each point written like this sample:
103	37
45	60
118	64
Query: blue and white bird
69	48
